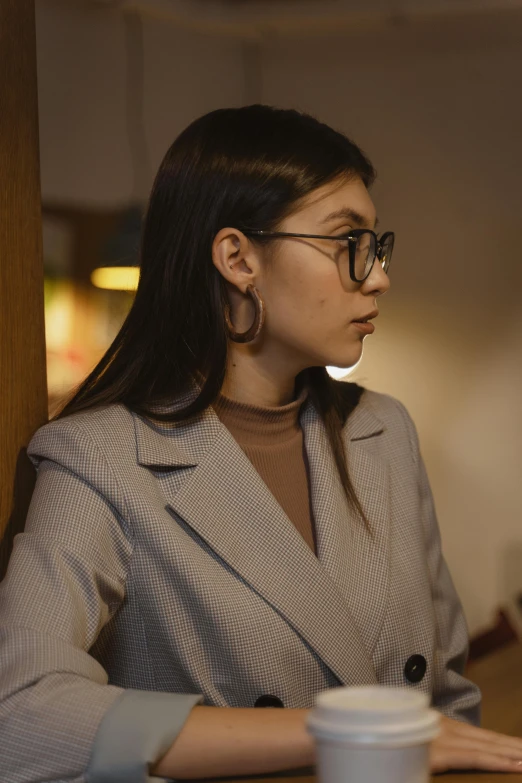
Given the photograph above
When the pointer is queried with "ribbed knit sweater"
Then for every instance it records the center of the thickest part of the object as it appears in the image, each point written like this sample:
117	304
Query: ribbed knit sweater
272	439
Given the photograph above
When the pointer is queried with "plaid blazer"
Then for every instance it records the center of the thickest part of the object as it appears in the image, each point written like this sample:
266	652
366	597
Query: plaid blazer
157	570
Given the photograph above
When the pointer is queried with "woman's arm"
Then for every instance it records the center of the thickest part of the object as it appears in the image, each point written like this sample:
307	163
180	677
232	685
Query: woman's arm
453	694
225	742
228	741
59	717
459	745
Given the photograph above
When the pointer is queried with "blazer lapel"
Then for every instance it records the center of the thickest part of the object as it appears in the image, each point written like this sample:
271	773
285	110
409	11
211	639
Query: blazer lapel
355	557
224	501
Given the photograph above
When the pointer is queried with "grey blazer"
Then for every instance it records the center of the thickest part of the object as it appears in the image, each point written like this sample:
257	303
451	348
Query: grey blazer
157	570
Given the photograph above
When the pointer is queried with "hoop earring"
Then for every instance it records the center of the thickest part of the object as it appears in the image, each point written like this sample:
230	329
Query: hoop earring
259	319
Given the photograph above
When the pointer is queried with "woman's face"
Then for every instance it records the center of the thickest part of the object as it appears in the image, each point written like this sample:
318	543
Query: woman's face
311	302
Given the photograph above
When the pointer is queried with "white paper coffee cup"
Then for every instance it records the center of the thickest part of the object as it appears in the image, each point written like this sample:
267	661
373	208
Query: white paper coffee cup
373	734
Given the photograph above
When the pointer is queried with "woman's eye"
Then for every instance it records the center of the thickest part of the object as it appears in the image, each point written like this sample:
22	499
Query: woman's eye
342	239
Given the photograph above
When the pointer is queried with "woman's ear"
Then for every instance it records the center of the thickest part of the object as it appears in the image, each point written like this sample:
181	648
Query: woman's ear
235	258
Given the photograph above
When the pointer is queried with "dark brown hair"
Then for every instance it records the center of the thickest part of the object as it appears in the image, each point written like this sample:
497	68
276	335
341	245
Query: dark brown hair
242	167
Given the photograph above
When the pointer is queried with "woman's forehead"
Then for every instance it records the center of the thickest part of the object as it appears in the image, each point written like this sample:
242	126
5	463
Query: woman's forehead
347	199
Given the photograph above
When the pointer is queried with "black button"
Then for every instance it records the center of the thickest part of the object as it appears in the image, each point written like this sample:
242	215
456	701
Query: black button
268	701
415	668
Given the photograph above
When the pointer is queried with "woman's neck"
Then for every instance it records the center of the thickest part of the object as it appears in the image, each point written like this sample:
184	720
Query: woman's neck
252	382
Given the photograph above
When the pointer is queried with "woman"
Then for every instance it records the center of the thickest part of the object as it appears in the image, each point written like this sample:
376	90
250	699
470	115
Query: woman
215	521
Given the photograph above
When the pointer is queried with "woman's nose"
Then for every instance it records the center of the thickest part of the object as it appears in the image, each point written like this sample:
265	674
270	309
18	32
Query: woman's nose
377	281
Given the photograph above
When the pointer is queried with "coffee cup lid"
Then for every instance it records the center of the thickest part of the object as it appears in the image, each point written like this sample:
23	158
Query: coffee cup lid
377	715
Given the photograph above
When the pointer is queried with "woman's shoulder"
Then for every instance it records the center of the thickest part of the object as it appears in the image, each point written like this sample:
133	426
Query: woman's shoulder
384	405
363	398
392	414
91	434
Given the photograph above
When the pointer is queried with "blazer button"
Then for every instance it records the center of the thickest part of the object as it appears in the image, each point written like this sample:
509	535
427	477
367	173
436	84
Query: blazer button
268	701
415	668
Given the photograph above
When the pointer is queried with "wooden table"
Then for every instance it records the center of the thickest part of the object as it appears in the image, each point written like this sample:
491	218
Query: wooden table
500	677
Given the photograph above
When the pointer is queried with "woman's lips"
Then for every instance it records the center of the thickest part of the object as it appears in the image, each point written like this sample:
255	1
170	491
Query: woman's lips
365	328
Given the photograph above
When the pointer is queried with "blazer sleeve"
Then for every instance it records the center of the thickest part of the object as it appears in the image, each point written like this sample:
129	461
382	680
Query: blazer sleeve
60	719
453	694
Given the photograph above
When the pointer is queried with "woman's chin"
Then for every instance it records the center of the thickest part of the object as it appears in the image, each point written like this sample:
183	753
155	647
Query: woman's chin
344	362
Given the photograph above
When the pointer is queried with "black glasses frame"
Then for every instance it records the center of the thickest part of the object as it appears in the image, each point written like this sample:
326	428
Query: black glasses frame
378	245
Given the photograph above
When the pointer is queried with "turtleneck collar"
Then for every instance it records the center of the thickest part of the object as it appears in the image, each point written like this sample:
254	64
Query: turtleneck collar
260	426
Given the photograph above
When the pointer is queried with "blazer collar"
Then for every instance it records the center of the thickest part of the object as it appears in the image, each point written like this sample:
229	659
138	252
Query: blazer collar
353	554
186	443
325	598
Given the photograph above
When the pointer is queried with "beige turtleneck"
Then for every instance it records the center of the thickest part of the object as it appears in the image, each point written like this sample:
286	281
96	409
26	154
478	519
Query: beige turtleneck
272	439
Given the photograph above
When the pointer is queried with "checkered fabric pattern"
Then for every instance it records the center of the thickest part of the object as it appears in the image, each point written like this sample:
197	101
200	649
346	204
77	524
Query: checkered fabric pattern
156	559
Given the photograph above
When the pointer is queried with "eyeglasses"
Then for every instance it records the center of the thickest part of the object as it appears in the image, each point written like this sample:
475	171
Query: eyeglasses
363	246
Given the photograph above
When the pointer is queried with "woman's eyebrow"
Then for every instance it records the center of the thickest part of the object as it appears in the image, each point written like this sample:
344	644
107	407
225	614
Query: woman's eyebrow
350	214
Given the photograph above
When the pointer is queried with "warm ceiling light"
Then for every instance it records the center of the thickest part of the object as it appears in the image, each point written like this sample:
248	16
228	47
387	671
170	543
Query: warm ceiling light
116	278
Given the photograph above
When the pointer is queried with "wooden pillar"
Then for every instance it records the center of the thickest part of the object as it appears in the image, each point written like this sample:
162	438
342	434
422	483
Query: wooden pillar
23	388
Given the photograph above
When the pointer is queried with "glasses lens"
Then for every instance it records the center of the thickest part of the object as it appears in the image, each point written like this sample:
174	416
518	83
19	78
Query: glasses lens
364	254
386	251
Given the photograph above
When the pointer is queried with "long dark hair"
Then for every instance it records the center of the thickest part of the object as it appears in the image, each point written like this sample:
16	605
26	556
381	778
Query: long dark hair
242	167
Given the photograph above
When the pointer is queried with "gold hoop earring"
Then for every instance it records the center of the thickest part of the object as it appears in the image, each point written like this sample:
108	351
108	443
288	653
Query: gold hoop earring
259	319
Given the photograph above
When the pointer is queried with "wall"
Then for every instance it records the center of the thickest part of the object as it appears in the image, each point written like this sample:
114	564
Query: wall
436	105
82	95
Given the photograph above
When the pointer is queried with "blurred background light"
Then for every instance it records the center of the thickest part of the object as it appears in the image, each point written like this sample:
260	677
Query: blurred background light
116	278
340	373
